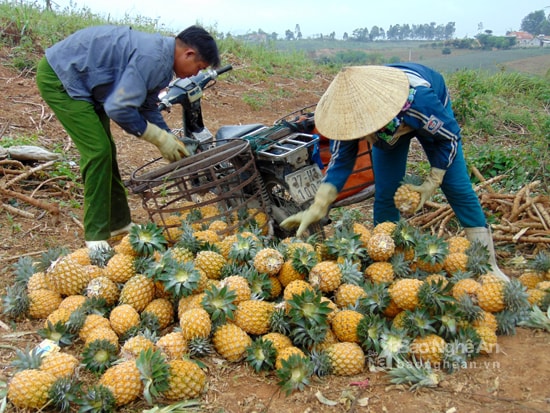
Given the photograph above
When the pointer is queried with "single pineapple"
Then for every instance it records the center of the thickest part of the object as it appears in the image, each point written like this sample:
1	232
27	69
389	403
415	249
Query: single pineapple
186	380
386	227
326	276
348	295
92	322
28	389
103	287
404	292
488	338
173	345
60	364
278	340
268	261
163	309
530	278
344	325
380	246
467	286
455	261
405	198
135	345
120	268
102	333
380	272
138	291
431	252
458	243
253	316
123	317
296	287
211	262
346	359
43	302
428	349
490	297
67	276
124	381
231	342
285	354
195	323
240	286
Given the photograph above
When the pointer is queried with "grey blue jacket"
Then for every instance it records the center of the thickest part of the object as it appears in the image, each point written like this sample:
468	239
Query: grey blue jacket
117	69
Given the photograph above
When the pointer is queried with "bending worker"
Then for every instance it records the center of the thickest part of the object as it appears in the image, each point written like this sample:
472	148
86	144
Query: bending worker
389	106
105	73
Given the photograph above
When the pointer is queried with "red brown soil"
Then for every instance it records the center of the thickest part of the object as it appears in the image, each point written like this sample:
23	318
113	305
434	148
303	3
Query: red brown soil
513	380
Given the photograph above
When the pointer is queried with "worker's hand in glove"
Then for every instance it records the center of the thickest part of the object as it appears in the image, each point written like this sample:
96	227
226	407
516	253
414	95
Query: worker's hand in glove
429	186
168	145
326	194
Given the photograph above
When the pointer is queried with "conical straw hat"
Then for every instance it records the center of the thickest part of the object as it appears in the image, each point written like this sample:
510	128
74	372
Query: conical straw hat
361	100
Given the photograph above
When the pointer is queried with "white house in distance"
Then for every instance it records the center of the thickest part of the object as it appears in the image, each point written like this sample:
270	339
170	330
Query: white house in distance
524	39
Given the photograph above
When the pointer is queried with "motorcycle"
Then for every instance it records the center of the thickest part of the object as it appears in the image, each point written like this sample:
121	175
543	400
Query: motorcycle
290	157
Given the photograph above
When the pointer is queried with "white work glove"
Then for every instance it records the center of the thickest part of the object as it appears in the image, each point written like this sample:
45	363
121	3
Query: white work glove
326	194
168	145
429	186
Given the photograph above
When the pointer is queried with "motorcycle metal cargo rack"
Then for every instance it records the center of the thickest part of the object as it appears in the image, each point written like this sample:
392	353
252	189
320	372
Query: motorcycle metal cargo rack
219	184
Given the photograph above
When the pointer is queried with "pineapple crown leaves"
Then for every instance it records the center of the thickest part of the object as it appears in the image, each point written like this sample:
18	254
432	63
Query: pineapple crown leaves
57	332
447	322
220	303
377	299
468	309
405	235
401	266
435	296
200	347
394	346
431	249
305	334
415	374
94	305
419	322
460	275
188	239
97	399
469	342
369	331
23	270
154	372
351	272
260	285
478	258
63	393
146	239
15	302
303	260
49	257
309	307
295	373
174	407
345	218
27	359
99	355
179	278
412	179
541	262
515	296
279	322
537	319
322	364
243	249
150	267
347	244
101	255
507	320
261	354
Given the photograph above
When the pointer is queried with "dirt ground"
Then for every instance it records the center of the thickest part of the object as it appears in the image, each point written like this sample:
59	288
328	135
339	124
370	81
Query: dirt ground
513	380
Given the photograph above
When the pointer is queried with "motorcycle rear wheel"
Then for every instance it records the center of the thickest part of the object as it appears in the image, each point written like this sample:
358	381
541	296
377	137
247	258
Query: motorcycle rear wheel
284	206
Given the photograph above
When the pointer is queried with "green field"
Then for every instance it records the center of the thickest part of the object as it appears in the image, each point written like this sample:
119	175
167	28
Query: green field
535	60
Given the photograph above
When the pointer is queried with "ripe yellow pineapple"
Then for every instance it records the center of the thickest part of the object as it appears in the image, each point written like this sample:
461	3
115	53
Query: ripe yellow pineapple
103	287
380	246
189	302
92	322
325	276
454	262
285	354
123	317
288	273
72	302
28	389
163	309
173	345
458	243
186	380
120	268
124	381
488	338
490	296
380	272
138	291
81	256
487	319
346	359
530	279
239	285
363	232
348	295
386	227
231	341
59	315
253	316
207	235
404	292
429	348
195	323
125	247
43	302
211	262
67	276
296	287
102	333
278	340
344	325
406	199
268	261
136	344
59	363
465	286
39	280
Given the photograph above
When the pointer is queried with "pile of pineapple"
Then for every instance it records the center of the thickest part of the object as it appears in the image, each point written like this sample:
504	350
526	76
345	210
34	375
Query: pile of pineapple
139	316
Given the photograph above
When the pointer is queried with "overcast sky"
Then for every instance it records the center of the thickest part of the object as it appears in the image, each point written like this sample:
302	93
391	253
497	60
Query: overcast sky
320	16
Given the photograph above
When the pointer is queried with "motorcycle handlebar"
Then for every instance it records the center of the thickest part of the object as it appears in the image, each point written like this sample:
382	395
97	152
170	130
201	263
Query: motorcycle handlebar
224	69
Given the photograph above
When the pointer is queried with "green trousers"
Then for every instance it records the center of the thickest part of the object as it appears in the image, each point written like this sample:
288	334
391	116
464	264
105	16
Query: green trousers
105	199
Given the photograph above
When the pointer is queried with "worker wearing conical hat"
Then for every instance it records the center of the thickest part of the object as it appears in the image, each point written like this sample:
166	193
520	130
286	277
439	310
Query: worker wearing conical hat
389	106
